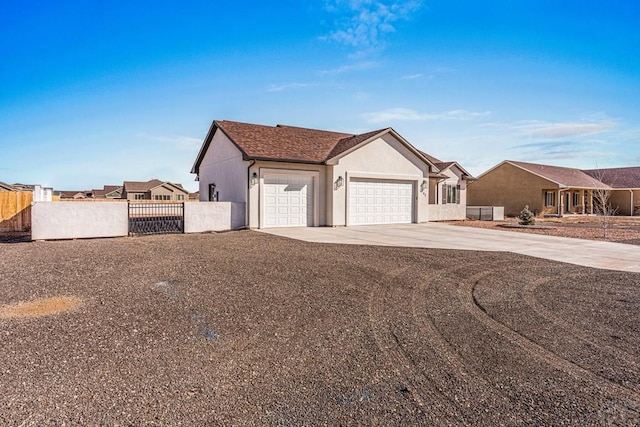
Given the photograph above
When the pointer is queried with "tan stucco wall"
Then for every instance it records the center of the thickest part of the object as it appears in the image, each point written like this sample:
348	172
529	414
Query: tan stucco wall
511	187
169	191
621	199
382	158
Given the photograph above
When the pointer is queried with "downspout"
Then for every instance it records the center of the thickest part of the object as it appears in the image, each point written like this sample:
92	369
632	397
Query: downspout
247	205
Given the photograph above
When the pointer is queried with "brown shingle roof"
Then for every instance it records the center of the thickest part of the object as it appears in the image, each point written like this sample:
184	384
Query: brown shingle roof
105	190
6	187
431	158
564	177
288	143
140	187
281	142
617	177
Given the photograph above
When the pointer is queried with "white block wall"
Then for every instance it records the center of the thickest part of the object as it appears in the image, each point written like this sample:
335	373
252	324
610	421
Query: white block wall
78	220
213	216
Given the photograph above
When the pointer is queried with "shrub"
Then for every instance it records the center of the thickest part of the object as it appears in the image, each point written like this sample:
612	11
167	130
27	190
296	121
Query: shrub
526	217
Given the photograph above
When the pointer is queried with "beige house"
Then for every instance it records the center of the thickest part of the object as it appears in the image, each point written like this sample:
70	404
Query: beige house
290	176
625	185
107	192
545	189
155	190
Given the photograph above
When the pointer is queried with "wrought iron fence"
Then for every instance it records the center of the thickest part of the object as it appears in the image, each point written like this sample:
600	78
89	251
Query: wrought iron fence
156	218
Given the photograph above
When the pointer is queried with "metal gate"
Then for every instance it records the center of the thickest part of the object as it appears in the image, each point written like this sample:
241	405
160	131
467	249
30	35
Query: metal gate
156	218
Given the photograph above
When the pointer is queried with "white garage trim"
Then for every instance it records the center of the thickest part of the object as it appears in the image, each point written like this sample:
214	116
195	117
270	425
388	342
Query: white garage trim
380	199
276	202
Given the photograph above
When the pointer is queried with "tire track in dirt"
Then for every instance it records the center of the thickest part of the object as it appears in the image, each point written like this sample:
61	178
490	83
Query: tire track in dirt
463	383
623	360
423	392
531	300
466	295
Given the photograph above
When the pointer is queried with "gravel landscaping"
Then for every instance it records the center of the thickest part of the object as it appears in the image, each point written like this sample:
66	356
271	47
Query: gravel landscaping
620	229
244	328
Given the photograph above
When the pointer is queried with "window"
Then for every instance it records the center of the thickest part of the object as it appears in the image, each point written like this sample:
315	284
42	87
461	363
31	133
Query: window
180	196
138	196
549	198
450	194
576	199
161	197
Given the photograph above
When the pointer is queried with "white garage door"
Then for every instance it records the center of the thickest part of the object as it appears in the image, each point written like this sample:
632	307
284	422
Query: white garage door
380	202
288	201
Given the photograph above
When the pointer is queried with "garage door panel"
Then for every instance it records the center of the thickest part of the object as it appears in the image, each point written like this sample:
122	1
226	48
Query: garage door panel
380	202
292	202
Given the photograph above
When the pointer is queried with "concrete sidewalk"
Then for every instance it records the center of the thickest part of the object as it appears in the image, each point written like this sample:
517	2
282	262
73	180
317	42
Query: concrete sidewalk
589	253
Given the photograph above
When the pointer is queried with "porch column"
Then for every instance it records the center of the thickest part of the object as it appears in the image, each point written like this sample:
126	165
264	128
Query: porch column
582	201
591	202
560	203
631	206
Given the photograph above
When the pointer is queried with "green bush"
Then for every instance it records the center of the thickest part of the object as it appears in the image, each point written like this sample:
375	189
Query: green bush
526	217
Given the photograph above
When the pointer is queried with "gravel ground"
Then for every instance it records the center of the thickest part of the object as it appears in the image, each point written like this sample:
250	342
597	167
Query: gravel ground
620	230
244	328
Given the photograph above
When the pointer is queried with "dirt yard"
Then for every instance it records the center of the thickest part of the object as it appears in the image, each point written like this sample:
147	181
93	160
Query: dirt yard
619	229
243	328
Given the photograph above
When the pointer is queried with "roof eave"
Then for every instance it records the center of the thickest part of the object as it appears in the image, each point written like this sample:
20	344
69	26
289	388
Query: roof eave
272	159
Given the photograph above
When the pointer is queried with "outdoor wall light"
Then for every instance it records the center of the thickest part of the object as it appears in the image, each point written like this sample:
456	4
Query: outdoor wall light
339	182
254	178
423	186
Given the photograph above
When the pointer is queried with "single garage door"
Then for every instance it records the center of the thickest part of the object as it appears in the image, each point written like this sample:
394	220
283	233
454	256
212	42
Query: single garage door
380	202
288	201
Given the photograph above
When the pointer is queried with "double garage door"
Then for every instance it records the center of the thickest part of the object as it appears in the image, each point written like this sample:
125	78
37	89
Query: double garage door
288	201
380	202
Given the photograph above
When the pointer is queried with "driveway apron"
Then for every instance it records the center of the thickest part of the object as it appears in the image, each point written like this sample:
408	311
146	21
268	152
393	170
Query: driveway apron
589	253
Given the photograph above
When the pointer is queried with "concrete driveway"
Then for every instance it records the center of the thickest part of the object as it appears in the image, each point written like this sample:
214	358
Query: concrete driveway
589	253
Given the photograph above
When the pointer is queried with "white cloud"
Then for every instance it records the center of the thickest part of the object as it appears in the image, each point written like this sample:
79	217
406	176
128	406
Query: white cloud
563	130
366	21
358	66
407	114
415	76
286	86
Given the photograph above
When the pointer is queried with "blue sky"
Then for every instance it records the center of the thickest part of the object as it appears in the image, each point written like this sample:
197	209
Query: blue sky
96	93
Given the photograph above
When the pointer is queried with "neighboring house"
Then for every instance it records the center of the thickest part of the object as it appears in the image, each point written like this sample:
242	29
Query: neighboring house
154	190
545	189
72	195
291	176
6	187
107	192
625	184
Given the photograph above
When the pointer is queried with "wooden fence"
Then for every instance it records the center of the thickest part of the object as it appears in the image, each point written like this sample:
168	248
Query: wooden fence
15	210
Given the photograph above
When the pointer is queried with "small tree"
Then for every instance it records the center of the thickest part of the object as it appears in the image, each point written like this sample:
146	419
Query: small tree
602	203
526	217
